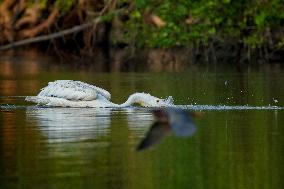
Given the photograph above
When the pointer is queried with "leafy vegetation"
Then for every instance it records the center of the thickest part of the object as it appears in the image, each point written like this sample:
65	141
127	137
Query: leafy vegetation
246	25
189	21
64	6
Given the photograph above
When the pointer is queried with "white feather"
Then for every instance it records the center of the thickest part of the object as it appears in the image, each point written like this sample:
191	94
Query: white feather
73	90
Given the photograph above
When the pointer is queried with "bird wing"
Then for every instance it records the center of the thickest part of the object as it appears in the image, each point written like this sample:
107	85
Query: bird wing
181	123
154	135
73	90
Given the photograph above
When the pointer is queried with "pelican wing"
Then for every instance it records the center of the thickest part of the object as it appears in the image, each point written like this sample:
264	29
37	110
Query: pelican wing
73	90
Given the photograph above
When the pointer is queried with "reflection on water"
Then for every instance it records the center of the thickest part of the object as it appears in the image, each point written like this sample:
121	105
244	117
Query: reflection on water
70	124
138	118
236	146
50	146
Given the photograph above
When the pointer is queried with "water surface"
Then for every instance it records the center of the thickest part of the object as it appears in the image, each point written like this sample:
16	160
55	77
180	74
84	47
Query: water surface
239	142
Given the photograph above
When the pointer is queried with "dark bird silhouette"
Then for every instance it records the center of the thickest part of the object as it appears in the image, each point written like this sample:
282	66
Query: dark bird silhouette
169	120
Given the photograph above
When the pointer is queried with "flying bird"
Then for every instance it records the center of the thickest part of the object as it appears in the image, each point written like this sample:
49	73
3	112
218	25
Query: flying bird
168	120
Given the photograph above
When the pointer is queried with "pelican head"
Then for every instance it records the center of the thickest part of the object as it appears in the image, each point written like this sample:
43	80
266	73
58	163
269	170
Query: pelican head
148	100
157	102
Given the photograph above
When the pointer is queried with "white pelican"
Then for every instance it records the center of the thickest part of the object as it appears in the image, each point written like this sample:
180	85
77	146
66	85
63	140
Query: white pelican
69	93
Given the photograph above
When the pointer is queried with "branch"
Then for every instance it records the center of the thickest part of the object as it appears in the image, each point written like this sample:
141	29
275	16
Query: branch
6	20
28	33
30	17
53	35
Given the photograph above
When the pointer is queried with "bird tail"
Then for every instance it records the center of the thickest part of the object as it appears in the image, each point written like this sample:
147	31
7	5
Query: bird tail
31	99
37	99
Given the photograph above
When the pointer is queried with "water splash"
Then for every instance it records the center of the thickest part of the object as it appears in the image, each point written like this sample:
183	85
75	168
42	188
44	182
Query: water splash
11	107
186	107
227	107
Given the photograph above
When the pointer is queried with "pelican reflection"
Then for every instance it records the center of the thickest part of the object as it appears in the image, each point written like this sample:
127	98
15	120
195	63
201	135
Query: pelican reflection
70	124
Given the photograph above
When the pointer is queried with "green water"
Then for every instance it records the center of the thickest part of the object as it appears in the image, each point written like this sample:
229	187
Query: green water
76	148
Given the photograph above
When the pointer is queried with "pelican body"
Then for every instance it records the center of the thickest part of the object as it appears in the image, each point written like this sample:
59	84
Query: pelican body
69	93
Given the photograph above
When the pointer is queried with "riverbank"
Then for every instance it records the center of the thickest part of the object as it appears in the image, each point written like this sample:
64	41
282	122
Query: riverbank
211	32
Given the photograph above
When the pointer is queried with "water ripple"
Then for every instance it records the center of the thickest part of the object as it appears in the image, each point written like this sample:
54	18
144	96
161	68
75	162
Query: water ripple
186	107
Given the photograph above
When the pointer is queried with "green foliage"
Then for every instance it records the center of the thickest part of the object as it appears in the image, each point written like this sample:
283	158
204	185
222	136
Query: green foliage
188	22
42	3
64	5
108	17
244	20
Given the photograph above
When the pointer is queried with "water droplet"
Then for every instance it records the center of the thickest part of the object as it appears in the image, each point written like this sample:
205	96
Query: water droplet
275	100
